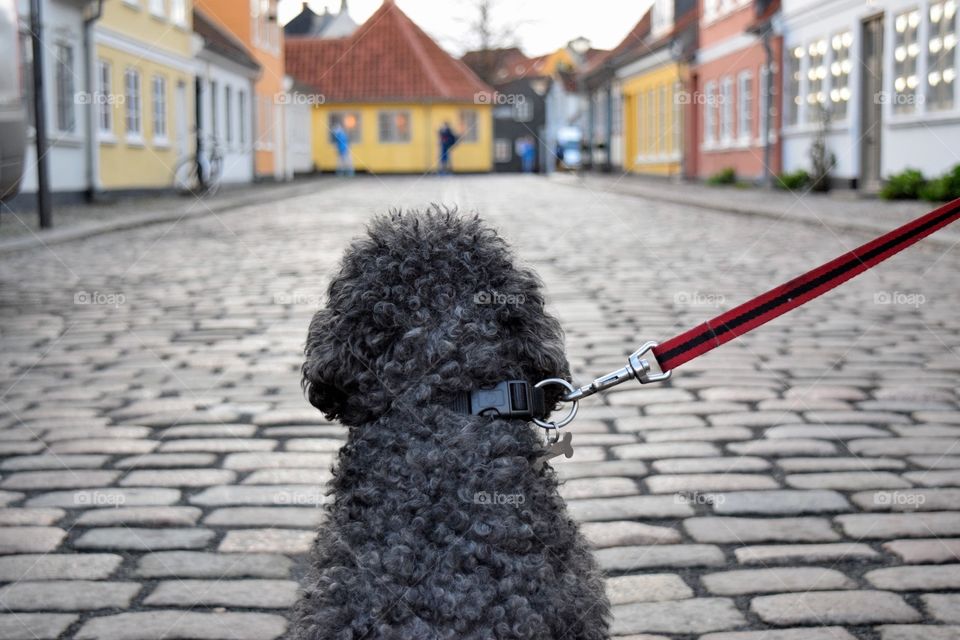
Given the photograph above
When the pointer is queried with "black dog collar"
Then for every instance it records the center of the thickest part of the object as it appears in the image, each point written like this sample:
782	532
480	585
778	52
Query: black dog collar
513	399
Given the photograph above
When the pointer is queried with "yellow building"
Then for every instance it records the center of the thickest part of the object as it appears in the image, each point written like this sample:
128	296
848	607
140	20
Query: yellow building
144	78
392	106
654	90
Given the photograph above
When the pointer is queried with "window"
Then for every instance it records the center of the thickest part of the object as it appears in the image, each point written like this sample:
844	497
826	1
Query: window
394	126
710	112
26	75
664	132
104	98
662	16
652	121
131	85
214	110
941	45
763	100
266	32
523	110
744	105
905	52
816	73
66	103
677	120
159	108
710	9
228	113
469	124
794	60
242	117
840	74
178	12
502	150
349	120
726	108
157	8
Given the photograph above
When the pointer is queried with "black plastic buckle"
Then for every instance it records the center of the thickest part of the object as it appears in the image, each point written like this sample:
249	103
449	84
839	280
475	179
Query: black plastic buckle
507	399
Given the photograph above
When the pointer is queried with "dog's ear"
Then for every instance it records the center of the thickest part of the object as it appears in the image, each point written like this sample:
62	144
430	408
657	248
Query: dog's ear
323	367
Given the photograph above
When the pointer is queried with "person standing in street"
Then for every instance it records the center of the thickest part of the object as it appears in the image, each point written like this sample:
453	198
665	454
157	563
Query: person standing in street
447	140
342	141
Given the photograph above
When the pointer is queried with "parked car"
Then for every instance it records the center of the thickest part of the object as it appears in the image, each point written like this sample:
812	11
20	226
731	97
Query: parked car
13	115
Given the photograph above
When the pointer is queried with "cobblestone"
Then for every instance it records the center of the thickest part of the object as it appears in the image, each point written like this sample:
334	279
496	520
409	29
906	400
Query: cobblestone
833	607
168	440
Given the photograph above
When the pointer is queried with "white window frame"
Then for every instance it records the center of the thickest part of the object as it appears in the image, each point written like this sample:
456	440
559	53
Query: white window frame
745	101
469	131
178	12
903	96
393	138
158	8
133	107
242	117
158	102
727	104
840	41
105	99
710	112
499	145
65	103
228	114
938	63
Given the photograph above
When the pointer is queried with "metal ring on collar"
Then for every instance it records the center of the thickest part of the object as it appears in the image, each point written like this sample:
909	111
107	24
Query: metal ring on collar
571	414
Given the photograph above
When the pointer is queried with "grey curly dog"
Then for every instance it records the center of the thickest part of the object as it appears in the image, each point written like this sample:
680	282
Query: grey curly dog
407	550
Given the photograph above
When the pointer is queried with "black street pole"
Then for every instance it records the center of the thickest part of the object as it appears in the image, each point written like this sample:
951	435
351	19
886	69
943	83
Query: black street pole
39	119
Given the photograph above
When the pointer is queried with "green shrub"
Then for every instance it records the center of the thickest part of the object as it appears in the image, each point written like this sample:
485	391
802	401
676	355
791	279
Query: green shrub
946	187
903	186
792	181
724	176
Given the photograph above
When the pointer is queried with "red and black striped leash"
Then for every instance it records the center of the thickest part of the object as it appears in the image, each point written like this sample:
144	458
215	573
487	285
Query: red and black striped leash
654	362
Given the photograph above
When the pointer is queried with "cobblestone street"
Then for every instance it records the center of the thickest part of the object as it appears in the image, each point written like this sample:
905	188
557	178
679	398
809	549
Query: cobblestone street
161	470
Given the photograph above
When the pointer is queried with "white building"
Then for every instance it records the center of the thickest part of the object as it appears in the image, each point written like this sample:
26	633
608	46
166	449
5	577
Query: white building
886	71
226	74
298	114
68	54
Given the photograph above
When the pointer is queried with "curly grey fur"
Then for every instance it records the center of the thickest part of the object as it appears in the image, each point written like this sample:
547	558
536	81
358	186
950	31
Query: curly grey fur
440	528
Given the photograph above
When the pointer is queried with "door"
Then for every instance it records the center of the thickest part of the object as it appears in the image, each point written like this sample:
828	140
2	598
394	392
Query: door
871	104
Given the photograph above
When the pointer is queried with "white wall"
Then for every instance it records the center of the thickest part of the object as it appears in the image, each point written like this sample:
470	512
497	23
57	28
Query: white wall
925	140
238	153
67	156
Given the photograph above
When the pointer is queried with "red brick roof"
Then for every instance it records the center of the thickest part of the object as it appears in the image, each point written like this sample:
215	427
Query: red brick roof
388	58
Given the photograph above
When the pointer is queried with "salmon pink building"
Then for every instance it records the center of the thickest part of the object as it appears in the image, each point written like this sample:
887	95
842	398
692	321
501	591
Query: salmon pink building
734	114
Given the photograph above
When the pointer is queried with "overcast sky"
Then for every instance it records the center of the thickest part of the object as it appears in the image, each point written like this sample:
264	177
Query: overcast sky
541	25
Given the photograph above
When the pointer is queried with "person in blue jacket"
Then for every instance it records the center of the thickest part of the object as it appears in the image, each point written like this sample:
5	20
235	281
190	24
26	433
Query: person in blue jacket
447	140
342	141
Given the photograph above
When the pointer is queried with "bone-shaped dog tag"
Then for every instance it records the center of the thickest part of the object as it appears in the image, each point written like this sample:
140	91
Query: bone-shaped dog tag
563	446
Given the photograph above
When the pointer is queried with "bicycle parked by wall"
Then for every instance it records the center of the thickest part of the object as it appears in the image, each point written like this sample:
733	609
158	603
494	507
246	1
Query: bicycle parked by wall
200	174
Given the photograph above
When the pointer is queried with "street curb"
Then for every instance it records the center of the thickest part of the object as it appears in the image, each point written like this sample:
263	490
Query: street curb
942	239
80	231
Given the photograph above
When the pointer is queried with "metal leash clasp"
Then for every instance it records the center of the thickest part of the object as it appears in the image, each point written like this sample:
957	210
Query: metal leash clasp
638	368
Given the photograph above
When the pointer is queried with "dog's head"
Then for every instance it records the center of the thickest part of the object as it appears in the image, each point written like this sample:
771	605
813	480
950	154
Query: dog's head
425	306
